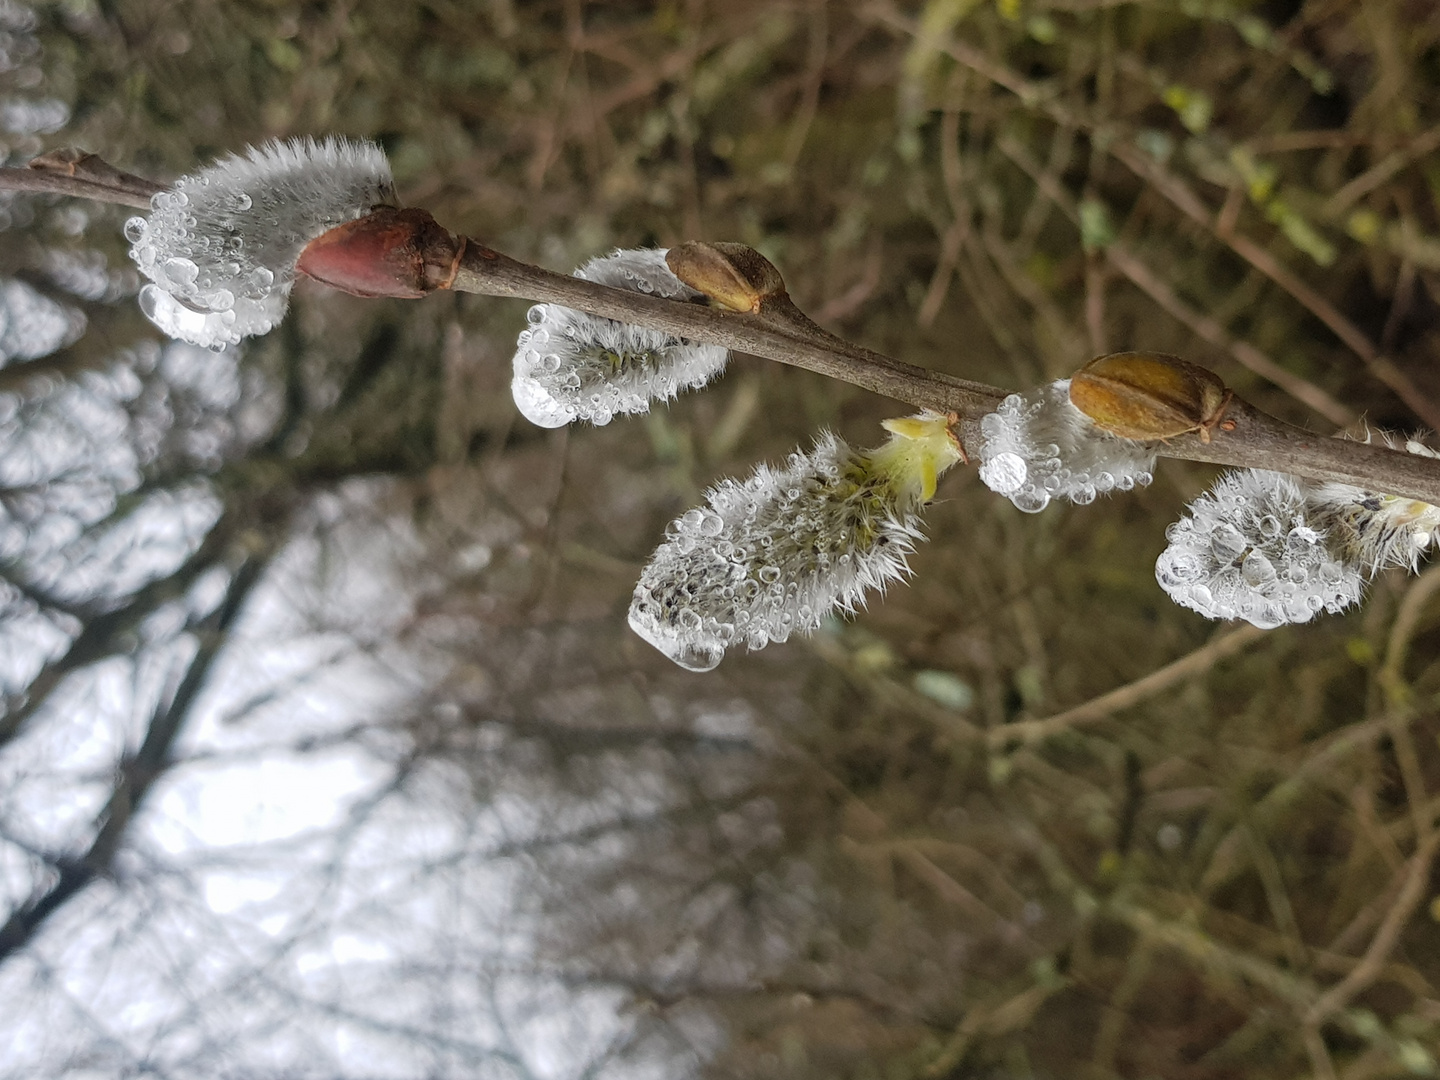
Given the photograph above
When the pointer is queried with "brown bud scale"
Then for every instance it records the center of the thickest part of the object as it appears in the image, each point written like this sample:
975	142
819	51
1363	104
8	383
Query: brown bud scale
388	252
1144	396
734	276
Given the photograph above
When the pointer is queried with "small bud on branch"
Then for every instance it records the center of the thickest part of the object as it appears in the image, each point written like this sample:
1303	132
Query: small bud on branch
388	252
1142	395
734	276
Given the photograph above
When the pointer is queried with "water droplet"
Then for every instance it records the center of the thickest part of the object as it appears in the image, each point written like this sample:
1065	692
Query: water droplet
1031	500
1004	474
1227	542
180	273
1257	571
538	405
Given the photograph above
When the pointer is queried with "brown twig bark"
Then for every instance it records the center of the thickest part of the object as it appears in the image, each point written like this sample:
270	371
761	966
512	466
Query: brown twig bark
781	332
85	176
1256	441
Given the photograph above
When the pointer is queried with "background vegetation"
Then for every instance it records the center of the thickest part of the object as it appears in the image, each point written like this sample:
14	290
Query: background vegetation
983	830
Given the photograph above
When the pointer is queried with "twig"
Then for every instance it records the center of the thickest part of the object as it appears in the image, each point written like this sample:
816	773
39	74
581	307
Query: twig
1402	631
1204	326
950	245
781	332
953	174
1185	200
1208	954
1424	143
85	176
1373	962
1116	1011
839	308
784	334
1179	194
1226	854
1005	1016
1028	732
1320	1063
138	772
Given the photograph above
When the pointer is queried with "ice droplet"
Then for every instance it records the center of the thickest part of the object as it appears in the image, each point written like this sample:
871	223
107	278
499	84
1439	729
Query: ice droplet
537	405
1038	447
1004	473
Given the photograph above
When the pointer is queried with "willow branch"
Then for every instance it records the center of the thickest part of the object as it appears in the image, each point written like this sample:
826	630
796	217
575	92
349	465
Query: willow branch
1258	440
85	176
781	332
784	334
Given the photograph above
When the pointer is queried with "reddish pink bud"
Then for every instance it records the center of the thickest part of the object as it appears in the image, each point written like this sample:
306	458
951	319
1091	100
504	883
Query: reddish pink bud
389	252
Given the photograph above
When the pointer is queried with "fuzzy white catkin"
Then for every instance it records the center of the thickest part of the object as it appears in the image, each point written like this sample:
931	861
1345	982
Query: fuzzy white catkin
220	246
1273	549
1038	447
775	554
573	366
1375	531
1253	548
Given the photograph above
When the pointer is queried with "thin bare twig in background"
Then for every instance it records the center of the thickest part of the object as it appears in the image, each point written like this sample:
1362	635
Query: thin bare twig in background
1178	193
1028	732
1203	326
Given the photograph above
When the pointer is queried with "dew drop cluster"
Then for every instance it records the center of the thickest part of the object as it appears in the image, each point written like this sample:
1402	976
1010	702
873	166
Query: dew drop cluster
573	366
1250	549
1038	447
774	554
220	246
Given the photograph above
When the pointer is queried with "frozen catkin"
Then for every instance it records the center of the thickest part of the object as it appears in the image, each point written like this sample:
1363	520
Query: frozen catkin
775	554
1038	447
220	246
1374	531
573	366
1273	549
1253	547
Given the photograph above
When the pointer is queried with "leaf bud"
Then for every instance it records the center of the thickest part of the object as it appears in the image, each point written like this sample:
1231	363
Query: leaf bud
1145	395
388	252
734	276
